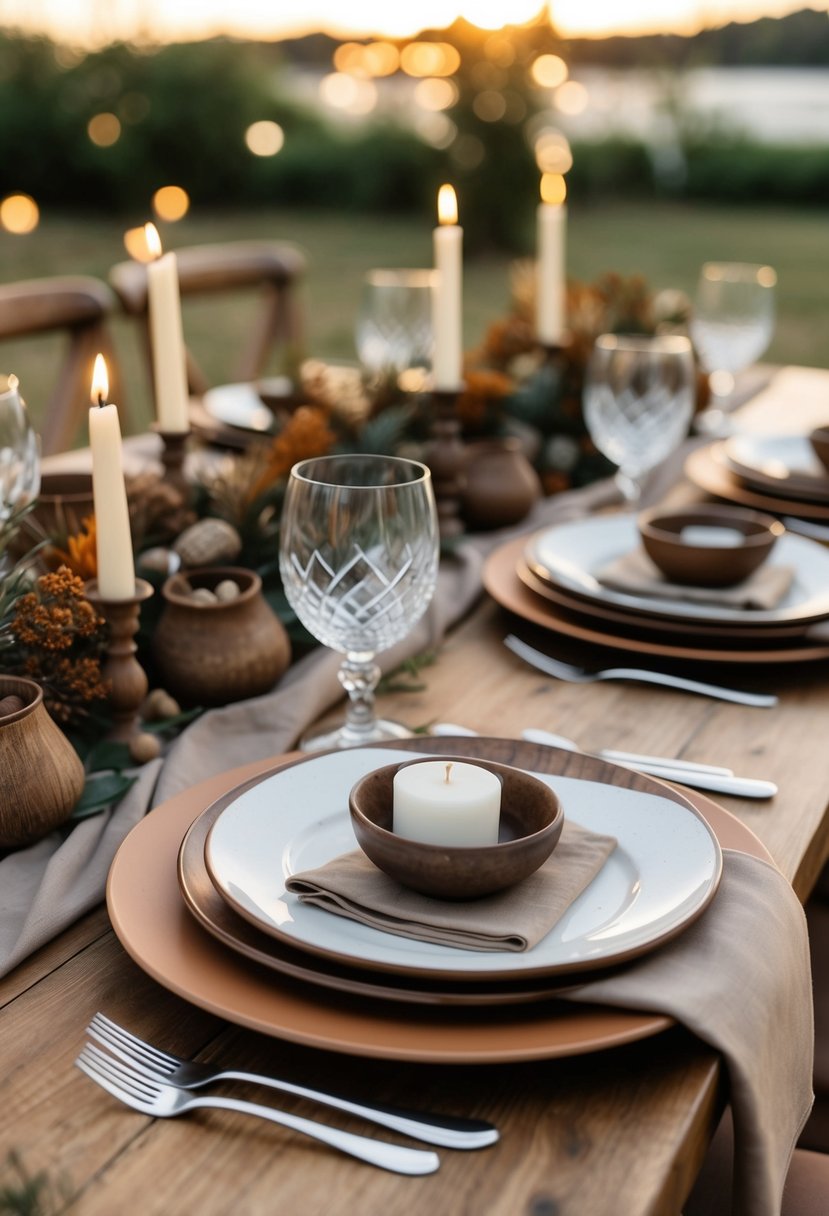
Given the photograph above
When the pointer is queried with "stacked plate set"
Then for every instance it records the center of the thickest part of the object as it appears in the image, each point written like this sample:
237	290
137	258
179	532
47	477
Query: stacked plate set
555	579
197	895
778	473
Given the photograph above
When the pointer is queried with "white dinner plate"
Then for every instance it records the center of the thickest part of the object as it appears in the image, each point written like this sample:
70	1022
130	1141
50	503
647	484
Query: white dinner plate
781	464
238	405
570	556
663	872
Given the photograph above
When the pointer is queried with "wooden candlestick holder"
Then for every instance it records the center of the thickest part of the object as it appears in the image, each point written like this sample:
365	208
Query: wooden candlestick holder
446	457
173	452
121	668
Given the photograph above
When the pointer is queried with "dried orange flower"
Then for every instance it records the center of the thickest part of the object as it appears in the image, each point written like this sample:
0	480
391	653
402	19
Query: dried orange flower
484	388
305	434
81	554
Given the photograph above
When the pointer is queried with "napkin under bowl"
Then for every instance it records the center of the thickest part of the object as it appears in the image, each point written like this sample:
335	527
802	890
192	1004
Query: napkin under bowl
635	574
530	827
668	540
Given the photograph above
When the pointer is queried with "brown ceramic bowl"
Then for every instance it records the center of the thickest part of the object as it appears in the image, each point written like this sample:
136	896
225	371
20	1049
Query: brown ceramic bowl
531	823
819	440
700	563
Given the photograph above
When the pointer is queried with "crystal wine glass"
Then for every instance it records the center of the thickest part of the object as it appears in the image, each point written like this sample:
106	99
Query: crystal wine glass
359	559
393	331
19	451
731	326
639	397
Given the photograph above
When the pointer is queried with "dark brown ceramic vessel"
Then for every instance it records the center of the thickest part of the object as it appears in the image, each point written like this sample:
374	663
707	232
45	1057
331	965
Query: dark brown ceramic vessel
41	775
531	822
212	654
702	565
500	486
819	440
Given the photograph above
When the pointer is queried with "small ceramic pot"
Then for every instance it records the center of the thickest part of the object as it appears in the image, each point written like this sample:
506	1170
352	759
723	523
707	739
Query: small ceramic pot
708	562
64	501
215	653
500	484
41	775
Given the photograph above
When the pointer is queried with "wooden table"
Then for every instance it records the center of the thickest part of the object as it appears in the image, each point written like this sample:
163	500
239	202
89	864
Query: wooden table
622	1131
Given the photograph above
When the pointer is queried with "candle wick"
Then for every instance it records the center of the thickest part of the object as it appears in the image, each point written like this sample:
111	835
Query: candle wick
448	772
101	401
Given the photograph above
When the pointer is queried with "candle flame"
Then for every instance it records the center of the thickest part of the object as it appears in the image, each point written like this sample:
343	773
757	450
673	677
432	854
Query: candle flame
135	243
553	188
446	779
447	205
100	382
153	240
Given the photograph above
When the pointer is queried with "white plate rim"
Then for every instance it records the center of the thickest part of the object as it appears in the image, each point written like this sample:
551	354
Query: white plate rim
750	465
618	535
320	932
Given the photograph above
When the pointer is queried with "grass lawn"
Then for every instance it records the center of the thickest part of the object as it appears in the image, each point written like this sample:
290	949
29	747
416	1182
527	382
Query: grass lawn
666	242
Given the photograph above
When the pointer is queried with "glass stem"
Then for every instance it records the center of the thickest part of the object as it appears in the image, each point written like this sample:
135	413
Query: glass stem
359	676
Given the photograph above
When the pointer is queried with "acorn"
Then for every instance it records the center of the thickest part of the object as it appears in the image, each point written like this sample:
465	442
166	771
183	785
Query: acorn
159	705
144	747
11	705
209	542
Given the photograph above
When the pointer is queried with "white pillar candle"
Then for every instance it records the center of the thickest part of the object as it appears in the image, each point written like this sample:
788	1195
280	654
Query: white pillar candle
447	295
116	567
550	276
446	803
167	338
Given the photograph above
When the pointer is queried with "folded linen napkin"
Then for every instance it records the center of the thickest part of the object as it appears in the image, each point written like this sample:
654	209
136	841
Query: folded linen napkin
739	978
636	574
514	919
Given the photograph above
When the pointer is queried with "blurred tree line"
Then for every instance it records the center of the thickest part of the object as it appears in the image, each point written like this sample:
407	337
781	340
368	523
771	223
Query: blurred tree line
181	112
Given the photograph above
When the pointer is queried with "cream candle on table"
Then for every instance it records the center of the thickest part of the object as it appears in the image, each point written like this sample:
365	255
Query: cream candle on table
167	337
550	271
447	294
116	567
447	803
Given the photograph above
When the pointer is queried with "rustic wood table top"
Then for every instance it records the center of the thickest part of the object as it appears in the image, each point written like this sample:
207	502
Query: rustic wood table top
619	1131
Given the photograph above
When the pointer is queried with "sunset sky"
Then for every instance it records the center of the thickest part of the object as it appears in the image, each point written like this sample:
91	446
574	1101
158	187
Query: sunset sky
104	20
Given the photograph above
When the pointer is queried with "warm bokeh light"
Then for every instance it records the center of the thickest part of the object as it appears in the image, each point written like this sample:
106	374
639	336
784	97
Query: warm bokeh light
549	71
436	129
447	205
381	58
572	98
553	188
100	382
153	241
429	59
766	276
489	106
435	93
343	92
19	214
552	152
171	203
468	151
104	130
265	138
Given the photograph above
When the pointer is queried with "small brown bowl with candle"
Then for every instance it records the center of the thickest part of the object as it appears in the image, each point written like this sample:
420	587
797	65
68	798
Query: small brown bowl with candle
528	829
708	546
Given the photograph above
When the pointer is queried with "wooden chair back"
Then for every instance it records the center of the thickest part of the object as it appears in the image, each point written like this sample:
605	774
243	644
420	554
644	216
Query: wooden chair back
273	268
79	306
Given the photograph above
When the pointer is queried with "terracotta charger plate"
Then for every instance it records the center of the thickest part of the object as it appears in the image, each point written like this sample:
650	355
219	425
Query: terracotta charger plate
639	623
708	468
500	578
159	933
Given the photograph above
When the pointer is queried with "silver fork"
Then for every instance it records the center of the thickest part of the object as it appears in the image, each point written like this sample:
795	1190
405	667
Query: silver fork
446	1131
153	1097
577	675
